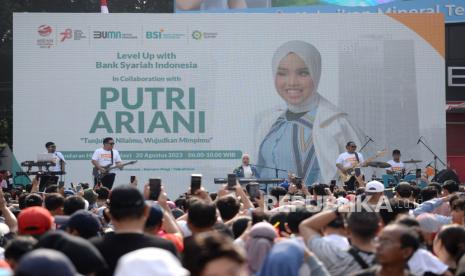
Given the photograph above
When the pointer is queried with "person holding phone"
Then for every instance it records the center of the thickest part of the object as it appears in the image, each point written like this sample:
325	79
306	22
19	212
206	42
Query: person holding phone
155	188
246	170
103	157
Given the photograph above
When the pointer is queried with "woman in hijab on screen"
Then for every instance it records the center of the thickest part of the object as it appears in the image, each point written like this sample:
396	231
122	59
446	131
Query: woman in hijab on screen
310	134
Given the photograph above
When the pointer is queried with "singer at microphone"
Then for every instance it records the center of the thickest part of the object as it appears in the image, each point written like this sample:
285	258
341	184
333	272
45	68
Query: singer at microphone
246	170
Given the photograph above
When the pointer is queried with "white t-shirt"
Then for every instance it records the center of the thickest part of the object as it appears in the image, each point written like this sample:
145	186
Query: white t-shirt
58	156
396	166
338	241
349	160
423	261
103	157
247	171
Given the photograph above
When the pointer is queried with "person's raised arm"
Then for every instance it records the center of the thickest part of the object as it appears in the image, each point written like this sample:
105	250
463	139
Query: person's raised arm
244	198
10	218
312	226
35	184
169	222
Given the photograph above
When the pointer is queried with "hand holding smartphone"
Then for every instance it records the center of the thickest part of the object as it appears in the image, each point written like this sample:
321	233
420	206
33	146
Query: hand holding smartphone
254	190
298	183
196	183
78	188
231	182
155	188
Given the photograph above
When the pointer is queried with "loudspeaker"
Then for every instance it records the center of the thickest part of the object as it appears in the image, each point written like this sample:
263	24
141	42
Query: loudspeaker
445	175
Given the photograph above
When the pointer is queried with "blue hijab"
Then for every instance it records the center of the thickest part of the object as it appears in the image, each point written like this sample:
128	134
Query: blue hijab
285	258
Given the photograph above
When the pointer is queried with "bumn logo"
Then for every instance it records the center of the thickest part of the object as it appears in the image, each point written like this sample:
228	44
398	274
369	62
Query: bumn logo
107	35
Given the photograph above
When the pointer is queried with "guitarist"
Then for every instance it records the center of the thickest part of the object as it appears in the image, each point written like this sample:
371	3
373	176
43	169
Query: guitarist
103	157
349	160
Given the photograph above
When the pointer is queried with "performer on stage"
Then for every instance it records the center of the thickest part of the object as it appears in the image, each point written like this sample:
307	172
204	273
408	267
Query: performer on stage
309	135
246	170
103	157
349	160
397	166
46	180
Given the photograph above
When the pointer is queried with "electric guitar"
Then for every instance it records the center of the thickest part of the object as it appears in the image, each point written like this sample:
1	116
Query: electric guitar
351	170
99	175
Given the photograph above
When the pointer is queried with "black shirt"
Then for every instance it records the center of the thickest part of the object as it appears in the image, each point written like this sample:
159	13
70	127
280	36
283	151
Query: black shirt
112	246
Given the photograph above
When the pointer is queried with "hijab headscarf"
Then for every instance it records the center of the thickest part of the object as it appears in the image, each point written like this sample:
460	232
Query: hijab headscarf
312	58
261	241
285	258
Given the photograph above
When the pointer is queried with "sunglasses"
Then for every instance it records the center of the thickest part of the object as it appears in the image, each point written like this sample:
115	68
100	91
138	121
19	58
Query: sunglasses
110	143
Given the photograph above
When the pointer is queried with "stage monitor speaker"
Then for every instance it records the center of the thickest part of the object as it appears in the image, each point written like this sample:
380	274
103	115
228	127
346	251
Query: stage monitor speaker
445	175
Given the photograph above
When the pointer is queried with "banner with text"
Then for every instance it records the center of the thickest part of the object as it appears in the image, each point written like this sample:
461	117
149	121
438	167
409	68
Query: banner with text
191	93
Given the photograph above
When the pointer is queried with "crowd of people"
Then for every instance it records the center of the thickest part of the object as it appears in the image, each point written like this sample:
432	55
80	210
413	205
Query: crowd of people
292	230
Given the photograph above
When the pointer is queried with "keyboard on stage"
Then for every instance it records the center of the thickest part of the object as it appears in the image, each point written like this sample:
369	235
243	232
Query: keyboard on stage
248	180
42	173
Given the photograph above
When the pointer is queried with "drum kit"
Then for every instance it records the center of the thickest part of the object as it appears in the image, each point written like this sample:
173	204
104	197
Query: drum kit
393	178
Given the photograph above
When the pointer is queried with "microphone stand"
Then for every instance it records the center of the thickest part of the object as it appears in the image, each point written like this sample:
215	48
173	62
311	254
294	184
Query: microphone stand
277	170
366	143
436	158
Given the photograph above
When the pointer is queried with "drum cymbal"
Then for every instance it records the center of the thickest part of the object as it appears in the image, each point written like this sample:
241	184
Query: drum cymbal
378	164
412	161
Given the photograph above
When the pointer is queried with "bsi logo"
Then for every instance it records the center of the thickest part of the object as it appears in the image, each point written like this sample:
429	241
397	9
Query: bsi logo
154	35
162	34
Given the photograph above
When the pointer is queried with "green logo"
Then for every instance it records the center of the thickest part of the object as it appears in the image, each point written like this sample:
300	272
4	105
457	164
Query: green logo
197	35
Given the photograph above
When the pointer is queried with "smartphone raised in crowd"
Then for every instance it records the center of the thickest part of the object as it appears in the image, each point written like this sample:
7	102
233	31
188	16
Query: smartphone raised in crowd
196	183
418	173
357	172
155	188
133	177
298	182
254	190
78	188
231	181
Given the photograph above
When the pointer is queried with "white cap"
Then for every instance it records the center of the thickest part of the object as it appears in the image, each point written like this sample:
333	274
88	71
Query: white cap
150	261
374	187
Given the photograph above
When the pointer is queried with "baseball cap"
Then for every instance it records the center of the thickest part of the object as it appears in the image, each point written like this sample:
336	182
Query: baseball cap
150	261
374	187
428	223
34	221
155	216
86	223
45	262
